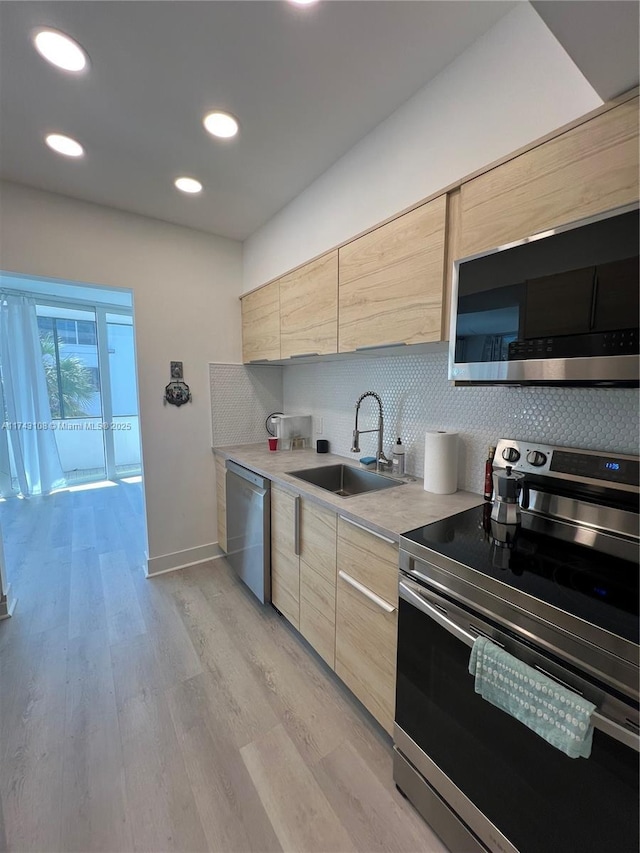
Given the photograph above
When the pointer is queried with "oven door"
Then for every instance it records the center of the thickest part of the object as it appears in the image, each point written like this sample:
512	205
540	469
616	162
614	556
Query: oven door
507	785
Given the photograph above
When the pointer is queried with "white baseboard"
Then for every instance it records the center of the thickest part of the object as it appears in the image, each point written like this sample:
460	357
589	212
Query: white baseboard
7	604
182	559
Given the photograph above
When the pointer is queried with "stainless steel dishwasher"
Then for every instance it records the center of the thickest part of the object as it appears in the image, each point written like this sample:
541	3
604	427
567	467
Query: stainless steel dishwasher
249	528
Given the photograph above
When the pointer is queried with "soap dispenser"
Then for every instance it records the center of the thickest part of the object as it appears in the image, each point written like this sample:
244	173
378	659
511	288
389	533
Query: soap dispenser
397	461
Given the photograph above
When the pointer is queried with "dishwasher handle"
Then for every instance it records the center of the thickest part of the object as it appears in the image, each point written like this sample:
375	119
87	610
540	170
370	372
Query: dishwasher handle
248	475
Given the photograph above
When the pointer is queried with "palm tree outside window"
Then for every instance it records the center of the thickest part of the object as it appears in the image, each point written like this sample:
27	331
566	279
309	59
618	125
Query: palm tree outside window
69	355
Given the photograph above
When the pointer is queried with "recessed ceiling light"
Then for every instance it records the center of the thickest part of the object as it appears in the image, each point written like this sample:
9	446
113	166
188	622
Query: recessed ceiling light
64	145
61	50
188	185
221	124
303	2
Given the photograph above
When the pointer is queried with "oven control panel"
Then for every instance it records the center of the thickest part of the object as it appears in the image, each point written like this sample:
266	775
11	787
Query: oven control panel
589	466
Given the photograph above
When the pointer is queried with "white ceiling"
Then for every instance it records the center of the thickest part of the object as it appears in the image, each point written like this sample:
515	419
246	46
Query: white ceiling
305	84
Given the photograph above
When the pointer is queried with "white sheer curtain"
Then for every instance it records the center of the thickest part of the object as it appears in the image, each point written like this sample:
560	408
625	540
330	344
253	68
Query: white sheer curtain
28	449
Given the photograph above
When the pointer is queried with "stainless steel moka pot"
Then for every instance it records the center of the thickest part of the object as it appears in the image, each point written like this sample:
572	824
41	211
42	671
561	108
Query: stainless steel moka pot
505	515
507	485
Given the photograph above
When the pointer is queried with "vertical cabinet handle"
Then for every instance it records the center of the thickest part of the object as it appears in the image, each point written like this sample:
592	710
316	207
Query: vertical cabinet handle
296	526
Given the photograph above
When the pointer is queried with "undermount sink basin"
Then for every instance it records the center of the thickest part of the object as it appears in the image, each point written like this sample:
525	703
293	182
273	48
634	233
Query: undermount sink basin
345	480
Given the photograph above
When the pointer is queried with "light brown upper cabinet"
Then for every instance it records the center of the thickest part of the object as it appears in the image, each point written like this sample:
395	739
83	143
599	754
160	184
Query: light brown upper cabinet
261	324
589	169
391	281
309	308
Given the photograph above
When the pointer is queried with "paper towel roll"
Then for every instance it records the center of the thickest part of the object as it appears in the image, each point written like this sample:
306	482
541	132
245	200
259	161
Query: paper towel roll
441	462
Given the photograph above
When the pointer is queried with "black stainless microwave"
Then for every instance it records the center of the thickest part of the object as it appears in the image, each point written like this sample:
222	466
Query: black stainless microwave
558	308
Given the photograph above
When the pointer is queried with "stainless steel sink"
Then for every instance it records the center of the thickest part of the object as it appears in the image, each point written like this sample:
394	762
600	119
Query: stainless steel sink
345	480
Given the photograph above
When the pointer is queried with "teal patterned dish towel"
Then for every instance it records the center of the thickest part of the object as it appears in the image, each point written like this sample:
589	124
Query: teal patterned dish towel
552	711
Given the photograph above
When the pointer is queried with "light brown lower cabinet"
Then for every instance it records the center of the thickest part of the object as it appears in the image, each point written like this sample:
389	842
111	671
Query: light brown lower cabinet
318	579
318	612
336	583
366	618
285	554
221	501
303	568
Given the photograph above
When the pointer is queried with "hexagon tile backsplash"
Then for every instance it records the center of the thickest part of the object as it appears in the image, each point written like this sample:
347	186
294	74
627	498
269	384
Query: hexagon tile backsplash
417	396
241	398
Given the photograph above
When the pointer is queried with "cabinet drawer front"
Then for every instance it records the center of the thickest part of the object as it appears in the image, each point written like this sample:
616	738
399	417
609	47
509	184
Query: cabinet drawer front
309	308
318	527
369	560
391	281
221	501
317	612
366	651
261	324
589	169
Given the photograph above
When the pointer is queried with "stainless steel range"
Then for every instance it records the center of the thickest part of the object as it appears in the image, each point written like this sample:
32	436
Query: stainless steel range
557	587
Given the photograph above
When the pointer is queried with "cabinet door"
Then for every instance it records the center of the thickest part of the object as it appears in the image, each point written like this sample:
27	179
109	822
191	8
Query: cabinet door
221	501
589	169
285	560
261	324
366	618
309	308
366	649
318	579
390	284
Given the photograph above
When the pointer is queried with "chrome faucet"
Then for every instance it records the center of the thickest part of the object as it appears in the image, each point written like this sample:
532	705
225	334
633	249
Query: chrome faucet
381	459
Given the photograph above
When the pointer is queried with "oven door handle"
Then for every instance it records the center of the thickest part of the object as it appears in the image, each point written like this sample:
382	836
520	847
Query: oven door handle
610	727
422	604
616	731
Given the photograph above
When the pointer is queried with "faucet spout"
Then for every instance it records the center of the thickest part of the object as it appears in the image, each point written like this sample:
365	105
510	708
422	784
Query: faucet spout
381	459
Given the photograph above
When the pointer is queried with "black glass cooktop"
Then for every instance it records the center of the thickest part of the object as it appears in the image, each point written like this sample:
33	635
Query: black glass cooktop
593	586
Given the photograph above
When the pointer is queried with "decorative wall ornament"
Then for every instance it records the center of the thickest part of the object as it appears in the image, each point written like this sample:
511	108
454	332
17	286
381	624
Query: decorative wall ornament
177	392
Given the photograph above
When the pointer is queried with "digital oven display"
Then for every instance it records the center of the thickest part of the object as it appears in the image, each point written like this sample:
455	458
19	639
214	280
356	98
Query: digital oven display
596	467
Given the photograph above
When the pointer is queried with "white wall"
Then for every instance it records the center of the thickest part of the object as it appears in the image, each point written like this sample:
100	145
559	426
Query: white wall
512	86
186	286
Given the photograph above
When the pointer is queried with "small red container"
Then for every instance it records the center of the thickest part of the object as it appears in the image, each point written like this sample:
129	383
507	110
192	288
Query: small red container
273	443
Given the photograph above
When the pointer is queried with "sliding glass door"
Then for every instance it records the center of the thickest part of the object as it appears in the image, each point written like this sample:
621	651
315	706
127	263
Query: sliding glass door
125	430
89	358
69	342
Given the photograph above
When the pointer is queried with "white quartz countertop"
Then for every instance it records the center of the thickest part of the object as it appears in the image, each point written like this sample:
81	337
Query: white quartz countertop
389	511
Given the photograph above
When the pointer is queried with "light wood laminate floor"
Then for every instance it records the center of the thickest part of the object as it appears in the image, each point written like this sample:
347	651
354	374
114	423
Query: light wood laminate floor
174	713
